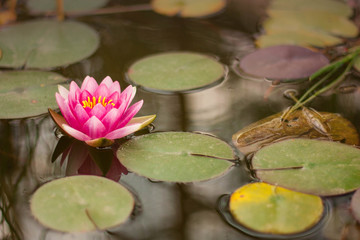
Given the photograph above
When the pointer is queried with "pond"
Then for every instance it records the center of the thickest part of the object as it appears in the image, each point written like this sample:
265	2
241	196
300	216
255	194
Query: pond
166	209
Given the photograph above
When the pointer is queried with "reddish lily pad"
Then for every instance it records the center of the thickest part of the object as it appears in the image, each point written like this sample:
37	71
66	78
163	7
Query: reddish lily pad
271	209
311	166
355	205
283	62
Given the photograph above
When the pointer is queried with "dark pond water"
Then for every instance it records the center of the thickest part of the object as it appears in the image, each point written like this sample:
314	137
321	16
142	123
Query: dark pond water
166	210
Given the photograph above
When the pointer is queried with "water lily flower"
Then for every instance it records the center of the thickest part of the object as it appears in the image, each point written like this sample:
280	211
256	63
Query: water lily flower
98	113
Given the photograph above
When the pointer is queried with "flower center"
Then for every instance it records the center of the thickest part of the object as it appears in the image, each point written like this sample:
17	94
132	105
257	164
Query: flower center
92	102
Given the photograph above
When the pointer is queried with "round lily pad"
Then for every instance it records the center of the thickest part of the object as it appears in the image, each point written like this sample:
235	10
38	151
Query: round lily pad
271	209
176	71
312	166
81	204
69	5
188	8
283	62
176	156
27	93
355	205
46	44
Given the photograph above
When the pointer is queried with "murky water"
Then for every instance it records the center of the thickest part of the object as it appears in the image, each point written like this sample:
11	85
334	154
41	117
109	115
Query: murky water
166	210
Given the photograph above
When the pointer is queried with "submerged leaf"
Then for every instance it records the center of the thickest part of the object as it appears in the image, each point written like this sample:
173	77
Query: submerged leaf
311	166
275	210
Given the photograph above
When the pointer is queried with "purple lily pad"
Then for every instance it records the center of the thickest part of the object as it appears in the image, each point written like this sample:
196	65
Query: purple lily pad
355	205
283	62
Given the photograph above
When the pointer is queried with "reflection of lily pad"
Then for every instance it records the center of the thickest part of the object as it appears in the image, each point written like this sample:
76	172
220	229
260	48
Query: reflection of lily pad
69	5
188	8
46	44
275	210
81	203
27	93
176	156
283	62
355	205
312	166
176	71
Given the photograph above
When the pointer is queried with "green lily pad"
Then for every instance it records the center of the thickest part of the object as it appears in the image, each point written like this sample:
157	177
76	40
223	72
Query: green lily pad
311	166
188	8
176	71
46	44
275	210
81	204
27	93
176	156
355	205
69	5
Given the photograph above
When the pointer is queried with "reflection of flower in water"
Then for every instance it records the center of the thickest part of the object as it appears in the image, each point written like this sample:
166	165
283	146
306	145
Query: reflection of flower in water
98	113
85	160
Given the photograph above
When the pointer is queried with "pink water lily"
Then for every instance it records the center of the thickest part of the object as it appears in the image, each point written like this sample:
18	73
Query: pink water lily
98	113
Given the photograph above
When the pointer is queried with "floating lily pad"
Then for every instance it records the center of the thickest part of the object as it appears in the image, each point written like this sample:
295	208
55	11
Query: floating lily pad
176	156
283	62
27	93
176	71
355	205
81	204
317	167
188	8
69	5
46	44
275	210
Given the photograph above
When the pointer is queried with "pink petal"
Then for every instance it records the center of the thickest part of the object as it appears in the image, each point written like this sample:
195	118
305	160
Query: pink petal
90	85
115	99
102	91
63	92
130	113
107	81
81	115
122	132
98	111
74	94
126	95
75	133
115	87
66	112
94	128
84	96
111	119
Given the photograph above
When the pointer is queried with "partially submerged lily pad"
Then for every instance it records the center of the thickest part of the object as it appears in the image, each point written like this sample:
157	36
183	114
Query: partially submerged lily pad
69	5
176	71
355	205
81	204
275	210
188	8
270	129
283	62
46	44
176	156
27	93
311	166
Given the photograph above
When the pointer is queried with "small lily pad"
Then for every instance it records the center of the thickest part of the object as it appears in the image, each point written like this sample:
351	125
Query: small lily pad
27	93
275	210
46	44
188	8
176	156
176	71
81	204
283	62
355	205
69	5
316	167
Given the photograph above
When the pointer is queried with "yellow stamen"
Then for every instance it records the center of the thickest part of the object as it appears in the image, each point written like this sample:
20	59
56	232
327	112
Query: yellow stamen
92	102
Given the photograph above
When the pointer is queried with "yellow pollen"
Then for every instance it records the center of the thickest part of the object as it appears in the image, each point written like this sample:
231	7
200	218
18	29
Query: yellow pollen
92	102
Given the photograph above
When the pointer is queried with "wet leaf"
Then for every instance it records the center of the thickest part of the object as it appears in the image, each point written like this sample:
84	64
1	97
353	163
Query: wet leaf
188	8
176	156
355	205
176	71
316	167
81	204
270	129
275	210
283	62
103	158
46	44
27	93
69	5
